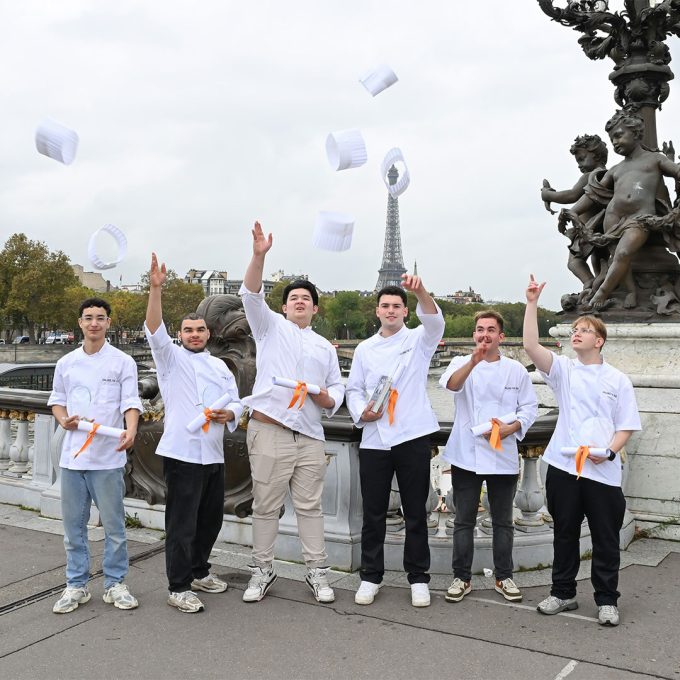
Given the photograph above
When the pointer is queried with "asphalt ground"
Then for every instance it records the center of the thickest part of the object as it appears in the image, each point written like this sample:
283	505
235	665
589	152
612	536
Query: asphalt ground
290	635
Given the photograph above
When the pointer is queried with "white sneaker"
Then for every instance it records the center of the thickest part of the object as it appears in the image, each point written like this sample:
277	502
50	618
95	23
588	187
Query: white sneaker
186	602
317	580
119	596
367	592
260	582
608	615
209	584
70	599
420	595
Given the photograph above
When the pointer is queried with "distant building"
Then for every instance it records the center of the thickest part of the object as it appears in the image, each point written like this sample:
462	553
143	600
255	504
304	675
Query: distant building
212	281
467	297
93	280
132	287
280	276
216	282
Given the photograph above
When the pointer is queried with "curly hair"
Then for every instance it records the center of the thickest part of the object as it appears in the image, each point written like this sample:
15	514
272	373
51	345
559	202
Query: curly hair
592	143
628	120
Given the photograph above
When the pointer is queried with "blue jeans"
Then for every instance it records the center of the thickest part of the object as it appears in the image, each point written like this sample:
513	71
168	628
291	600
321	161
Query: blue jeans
501	489
107	489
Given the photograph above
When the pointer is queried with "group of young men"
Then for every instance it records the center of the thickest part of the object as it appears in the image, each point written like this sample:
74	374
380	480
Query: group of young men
387	399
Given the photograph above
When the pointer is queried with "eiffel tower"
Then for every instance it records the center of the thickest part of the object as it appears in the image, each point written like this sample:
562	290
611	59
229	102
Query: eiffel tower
392	266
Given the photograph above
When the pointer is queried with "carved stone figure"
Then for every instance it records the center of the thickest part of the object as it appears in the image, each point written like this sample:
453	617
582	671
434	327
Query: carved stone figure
590	153
230	340
631	202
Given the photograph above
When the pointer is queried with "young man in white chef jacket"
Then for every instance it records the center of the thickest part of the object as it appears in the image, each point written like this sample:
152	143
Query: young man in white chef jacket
190	381
95	382
395	438
285	435
597	409
486	386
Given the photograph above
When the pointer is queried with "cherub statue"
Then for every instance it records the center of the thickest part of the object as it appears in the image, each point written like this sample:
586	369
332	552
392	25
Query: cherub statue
590	153
637	203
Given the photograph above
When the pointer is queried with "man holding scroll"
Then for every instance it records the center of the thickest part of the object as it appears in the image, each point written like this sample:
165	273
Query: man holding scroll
192	382
598	414
495	406
387	398
95	388
285	436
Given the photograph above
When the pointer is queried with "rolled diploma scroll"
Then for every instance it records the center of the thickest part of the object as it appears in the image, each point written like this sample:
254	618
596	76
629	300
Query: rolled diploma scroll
483	428
285	382
199	421
107	431
571	451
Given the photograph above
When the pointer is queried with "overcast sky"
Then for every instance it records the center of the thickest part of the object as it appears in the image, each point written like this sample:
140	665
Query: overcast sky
196	118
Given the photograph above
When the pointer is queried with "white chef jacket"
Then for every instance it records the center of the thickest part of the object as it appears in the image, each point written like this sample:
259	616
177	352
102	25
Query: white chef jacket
285	350
586	391
406	356
493	389
110	378
189	383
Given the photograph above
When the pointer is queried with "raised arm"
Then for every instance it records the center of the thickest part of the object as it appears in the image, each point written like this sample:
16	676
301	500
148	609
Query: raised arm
154	311
414	284
261	245
568	195
541	356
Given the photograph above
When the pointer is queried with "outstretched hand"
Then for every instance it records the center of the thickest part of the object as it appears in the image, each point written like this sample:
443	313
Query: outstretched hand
261	244
534	289
412	283
157	275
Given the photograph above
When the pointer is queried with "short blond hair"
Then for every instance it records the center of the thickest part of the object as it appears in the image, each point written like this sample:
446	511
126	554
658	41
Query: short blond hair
597	324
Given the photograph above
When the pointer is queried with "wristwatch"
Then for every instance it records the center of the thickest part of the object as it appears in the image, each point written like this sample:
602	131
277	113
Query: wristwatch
610	454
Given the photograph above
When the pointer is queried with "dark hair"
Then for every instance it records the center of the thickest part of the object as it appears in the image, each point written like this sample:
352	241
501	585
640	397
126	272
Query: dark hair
191	316
393	290
490	314
94	302
628	120
301	283
592	143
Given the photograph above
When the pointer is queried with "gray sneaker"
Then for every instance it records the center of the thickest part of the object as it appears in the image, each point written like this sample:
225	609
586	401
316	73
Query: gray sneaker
186	602
458	590
119	596
317	580
70	599
553	605
260	582
509	590
209	584
608	615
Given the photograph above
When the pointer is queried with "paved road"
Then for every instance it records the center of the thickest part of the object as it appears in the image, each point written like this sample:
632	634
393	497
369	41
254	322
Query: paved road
289	635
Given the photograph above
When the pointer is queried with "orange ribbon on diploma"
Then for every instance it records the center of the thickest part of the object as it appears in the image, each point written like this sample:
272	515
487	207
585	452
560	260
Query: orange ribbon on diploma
391	404
582	453
299	393
495	436
206	426
88	441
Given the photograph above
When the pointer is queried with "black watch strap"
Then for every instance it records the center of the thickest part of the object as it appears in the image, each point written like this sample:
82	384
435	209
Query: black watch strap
611	455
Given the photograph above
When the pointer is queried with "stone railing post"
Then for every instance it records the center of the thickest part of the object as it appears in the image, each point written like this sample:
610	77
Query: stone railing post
43	469
529	498
18	452
5	439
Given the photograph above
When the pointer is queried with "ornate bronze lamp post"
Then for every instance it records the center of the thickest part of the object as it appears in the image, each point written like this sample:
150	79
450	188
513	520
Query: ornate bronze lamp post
634	39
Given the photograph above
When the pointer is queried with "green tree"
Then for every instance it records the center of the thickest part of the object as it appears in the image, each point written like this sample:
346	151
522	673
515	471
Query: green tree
127	311
32	284
459	326
179	298
344	315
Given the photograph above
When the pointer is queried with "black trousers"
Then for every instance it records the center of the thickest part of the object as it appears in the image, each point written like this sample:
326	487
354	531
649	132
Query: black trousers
467	486
194	509
569	501
411	463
